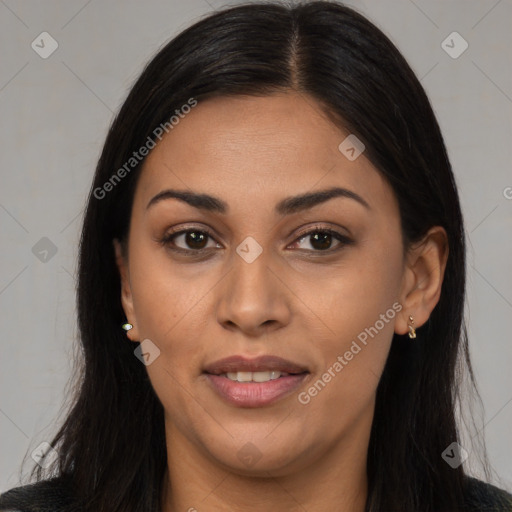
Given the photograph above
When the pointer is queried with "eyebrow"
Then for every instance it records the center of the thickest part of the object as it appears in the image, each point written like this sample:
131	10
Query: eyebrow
287	206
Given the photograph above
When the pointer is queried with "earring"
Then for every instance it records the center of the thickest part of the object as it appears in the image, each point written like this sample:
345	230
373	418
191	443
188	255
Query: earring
412	330
127	326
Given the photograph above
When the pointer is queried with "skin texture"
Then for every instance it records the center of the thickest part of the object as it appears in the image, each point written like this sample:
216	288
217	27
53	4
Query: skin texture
294	301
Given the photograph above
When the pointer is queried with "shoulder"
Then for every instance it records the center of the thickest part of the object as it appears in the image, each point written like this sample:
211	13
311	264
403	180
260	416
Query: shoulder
53	495
484	497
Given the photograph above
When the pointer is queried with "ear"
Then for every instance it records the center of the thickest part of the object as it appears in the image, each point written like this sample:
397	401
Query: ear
126	291
423	279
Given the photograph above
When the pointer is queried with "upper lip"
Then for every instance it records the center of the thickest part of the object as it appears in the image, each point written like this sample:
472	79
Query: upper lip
257	364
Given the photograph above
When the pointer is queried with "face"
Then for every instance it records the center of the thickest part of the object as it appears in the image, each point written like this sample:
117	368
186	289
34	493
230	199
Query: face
316	282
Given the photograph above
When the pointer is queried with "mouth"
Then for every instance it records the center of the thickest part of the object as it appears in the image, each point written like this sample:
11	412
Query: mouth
255	382
261	376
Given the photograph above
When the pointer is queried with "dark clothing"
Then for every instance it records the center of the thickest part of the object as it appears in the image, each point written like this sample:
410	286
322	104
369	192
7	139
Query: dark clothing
55	496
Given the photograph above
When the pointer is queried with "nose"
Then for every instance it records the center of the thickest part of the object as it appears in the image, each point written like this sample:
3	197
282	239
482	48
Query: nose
253	298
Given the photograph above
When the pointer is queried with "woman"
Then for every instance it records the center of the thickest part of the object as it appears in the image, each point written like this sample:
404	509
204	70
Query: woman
271	284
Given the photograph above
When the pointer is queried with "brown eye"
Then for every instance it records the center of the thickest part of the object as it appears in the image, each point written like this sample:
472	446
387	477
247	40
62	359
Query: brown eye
191	240
195	239
323	239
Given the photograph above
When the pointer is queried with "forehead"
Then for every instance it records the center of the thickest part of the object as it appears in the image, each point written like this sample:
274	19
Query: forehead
270	147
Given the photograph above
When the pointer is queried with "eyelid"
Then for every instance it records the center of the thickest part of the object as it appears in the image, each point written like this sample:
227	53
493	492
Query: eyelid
328	227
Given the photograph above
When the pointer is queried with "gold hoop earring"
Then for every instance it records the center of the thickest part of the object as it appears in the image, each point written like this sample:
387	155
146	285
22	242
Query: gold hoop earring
412	330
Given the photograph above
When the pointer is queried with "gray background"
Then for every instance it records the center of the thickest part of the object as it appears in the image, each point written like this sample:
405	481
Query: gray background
54	115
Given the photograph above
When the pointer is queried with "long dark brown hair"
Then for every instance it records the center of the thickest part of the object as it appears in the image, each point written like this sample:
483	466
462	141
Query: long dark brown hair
112	445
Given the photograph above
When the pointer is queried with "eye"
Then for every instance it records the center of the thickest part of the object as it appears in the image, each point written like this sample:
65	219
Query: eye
195	241
321	239
192	240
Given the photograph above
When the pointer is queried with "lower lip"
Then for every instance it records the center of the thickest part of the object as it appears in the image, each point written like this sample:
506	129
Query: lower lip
254	394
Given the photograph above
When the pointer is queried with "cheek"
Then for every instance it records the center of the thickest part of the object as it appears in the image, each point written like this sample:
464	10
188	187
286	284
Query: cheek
353	294
170	312
165	294
353	362
359	305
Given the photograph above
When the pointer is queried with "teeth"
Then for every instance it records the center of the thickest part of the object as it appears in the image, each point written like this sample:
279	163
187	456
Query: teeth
254	376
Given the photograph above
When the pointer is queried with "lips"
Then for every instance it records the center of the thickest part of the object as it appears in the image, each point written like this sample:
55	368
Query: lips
259	364
255	390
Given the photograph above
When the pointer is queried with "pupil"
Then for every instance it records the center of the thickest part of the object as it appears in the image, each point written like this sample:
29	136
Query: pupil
324	240
195	240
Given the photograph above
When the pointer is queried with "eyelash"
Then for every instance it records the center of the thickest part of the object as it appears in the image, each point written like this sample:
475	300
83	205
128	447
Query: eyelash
168	239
